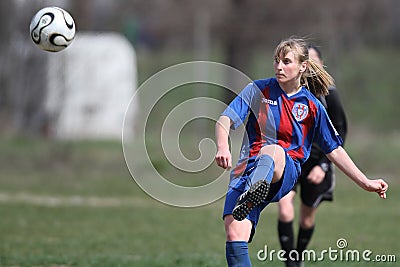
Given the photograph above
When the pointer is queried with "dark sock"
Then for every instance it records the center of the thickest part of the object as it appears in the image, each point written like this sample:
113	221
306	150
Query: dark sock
237	254
286	237
304	238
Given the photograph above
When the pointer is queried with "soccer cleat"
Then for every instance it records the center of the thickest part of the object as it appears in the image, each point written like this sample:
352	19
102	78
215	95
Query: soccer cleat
253	197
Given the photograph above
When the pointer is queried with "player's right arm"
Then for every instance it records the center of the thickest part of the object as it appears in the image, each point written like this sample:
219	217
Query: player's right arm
223	157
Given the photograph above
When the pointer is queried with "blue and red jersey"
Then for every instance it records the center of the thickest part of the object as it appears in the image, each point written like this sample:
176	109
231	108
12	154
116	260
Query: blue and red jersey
273	117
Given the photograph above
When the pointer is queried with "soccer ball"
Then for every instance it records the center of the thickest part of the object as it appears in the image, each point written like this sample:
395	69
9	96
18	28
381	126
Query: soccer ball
52	29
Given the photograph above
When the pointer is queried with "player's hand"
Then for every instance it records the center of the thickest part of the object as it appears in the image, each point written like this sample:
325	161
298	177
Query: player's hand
316	175
224	159
379	186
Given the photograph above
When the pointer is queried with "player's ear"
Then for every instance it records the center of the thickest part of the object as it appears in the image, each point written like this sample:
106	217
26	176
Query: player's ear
303	66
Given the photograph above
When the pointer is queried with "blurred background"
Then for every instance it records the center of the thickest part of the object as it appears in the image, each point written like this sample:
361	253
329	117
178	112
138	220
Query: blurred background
359	40
69	199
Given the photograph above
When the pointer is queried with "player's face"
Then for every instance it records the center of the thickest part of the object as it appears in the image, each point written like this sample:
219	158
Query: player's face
287	68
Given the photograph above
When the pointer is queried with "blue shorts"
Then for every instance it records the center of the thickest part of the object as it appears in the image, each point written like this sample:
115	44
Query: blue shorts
276	192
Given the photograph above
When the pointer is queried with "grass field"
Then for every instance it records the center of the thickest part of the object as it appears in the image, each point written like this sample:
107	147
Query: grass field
75	204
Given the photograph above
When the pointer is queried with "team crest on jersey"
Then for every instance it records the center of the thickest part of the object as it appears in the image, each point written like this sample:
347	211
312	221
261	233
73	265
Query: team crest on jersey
300	111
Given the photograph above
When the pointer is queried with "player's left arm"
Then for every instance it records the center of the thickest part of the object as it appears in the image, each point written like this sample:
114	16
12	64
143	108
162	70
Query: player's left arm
343	161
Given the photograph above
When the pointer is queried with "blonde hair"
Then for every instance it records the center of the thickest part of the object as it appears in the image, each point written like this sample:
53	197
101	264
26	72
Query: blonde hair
315	78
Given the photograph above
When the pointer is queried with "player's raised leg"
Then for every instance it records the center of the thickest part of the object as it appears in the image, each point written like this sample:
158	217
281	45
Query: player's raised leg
269	169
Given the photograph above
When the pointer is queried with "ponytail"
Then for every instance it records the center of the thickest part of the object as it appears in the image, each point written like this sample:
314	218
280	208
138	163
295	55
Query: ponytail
316	78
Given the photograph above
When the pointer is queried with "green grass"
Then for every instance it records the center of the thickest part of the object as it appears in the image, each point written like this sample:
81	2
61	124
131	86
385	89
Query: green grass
369	92
74	204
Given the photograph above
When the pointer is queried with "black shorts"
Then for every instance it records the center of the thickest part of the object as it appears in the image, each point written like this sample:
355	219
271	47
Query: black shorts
313	194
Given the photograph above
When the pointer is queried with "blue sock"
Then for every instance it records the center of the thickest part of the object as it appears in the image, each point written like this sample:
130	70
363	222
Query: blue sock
264	170
237	254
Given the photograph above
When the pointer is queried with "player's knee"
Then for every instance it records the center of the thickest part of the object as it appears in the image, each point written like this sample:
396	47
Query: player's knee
286	213
237	231
232	235
307	222
278	155
286	217
286	210
237	234
275	151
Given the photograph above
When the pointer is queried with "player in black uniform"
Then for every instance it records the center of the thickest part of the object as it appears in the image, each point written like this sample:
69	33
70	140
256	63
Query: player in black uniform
317	181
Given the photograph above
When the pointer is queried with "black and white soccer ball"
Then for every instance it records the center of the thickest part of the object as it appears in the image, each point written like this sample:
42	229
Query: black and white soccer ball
52	29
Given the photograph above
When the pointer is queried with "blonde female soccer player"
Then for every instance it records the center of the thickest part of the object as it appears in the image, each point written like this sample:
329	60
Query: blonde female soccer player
283	118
